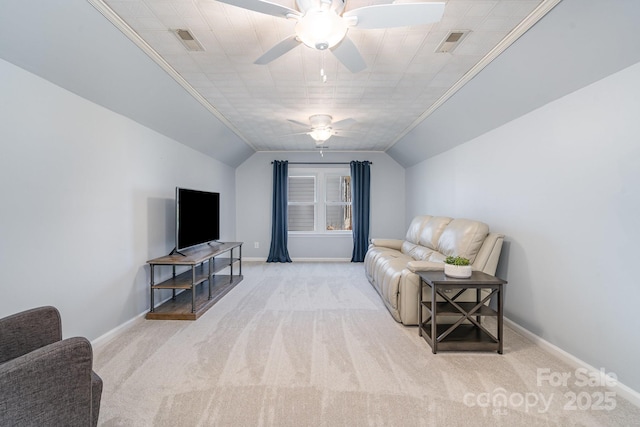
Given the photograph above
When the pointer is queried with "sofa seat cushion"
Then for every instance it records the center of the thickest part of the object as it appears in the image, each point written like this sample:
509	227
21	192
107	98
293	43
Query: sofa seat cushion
416	266
420	253
408	248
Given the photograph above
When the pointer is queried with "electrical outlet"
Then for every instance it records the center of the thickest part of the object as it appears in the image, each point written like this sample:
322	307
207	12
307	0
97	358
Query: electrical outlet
256	245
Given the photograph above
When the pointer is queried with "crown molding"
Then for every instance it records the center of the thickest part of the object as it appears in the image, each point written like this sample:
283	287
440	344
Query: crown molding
120	24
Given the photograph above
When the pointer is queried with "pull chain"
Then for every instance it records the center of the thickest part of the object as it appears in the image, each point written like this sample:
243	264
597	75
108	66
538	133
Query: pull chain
323	76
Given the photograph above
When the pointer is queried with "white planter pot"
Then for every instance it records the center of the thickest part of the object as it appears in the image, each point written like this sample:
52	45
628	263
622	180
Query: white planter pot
457	271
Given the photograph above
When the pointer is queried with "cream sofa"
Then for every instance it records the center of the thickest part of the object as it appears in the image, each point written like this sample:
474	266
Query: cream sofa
391	264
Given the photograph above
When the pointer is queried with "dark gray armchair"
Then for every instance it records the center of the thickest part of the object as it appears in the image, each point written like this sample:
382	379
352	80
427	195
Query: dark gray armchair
45	380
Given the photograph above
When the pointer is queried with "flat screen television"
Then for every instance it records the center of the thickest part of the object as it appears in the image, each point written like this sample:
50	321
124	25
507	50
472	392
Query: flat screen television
197	217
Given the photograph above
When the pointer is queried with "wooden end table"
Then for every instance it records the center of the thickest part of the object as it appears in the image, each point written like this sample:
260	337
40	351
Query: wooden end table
460	335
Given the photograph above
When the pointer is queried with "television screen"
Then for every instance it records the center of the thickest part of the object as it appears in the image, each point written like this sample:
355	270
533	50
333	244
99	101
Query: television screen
197	217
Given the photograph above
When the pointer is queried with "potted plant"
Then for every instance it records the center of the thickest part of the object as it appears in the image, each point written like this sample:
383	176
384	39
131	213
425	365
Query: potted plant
456	266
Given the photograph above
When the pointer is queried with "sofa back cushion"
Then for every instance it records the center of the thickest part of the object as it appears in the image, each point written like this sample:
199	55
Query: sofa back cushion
432	230
462	237
413	233
410	245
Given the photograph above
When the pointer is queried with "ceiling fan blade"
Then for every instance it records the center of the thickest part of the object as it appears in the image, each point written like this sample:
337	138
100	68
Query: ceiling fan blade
397	15
347	134
262	6
295	134
344	124
278	50
295	122
304	5
347	53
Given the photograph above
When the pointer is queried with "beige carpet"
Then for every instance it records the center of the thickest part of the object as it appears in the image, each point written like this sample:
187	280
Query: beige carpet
311	344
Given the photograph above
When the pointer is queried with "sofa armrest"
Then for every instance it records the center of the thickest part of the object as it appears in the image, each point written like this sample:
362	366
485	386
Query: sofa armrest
489	254
48	386
388	243
26	331
416	266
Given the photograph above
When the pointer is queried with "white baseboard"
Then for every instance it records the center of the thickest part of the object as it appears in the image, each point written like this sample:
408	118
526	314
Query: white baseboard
620	389
105	338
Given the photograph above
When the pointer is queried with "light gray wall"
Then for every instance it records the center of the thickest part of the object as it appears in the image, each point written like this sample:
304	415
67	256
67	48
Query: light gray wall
577	43
254	182
562	183
87	198
71	44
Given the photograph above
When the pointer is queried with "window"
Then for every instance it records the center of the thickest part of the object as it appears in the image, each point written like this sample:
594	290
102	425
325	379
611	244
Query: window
319	200
338	202
302	203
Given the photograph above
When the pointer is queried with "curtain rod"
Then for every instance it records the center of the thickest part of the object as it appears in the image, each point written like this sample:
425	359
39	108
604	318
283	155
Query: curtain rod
322	163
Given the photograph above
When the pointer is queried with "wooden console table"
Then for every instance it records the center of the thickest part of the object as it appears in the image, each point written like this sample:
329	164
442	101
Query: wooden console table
460	335
205	262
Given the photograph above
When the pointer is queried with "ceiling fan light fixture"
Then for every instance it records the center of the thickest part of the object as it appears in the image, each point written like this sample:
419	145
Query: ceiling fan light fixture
321	29
322	134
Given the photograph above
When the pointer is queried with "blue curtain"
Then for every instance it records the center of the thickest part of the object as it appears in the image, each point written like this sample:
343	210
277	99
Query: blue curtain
278	251
360	196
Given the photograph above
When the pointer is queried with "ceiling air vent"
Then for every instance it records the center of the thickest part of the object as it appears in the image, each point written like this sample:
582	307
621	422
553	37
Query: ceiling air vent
451	41
188	40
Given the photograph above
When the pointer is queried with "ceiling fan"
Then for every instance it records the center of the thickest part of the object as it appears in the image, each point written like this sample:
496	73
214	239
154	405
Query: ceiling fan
322	127
322	25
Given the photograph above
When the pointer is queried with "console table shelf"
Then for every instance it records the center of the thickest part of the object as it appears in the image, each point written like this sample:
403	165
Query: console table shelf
194	300
184	280
180	307
463	337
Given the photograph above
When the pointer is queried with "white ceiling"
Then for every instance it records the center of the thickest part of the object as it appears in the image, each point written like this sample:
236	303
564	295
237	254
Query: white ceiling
404	82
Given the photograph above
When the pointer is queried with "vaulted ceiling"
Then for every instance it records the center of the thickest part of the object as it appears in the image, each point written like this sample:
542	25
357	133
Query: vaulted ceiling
268	106
409	101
